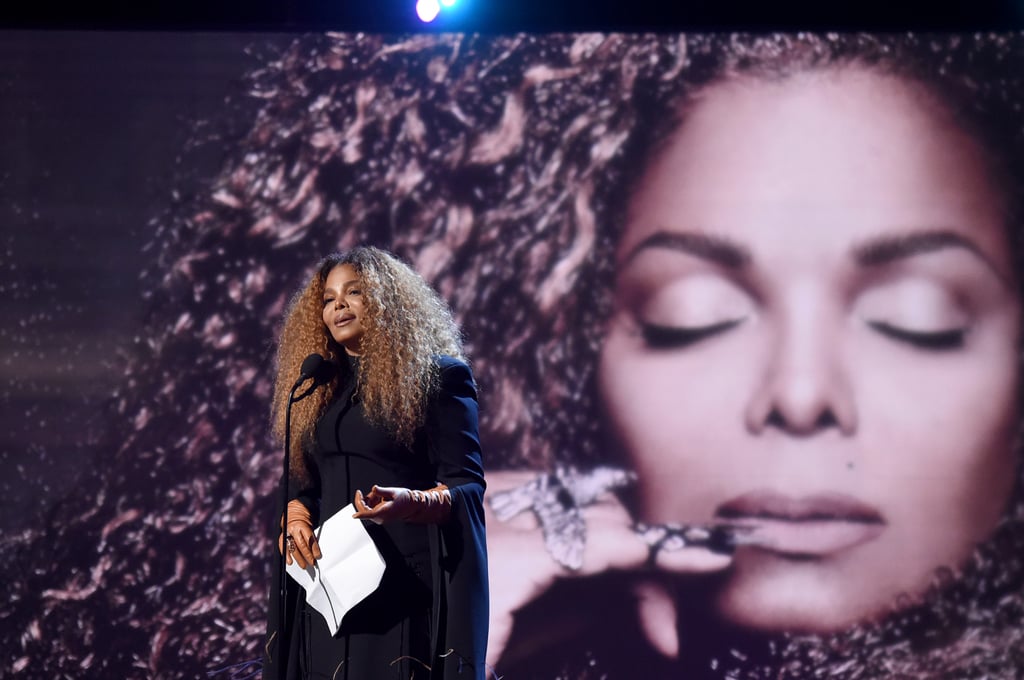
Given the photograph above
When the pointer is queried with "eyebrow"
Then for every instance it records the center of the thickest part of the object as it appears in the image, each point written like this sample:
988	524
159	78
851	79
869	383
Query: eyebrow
885	250
717	249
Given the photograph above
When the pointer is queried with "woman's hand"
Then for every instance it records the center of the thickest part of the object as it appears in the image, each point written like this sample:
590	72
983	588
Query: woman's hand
521	568
390	503
302	543
383	504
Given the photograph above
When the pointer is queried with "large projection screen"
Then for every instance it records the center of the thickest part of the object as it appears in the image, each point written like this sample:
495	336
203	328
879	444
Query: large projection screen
744	311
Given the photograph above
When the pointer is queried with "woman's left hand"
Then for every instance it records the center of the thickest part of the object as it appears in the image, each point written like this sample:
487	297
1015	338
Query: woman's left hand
384	504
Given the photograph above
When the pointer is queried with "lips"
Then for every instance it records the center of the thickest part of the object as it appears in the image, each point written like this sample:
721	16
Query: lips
343	319
809	526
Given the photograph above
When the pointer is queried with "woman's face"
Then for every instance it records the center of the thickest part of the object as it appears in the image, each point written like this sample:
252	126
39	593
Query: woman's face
344	312
815	336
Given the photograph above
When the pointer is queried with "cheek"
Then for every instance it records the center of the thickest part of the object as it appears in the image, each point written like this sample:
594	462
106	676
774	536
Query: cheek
678	417
937	432
945	408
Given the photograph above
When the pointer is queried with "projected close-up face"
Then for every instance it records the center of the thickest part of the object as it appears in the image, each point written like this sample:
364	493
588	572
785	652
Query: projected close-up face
814	336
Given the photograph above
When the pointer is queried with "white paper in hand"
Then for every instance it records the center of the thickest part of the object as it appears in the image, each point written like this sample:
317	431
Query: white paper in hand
351	568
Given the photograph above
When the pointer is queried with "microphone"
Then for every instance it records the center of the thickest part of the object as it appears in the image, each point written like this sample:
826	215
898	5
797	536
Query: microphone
316	367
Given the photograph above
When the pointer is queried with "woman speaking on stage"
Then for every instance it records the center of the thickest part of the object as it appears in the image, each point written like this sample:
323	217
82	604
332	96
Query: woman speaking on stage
394	433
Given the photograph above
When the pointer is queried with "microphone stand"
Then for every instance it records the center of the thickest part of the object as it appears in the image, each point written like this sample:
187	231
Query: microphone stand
319	371
285	478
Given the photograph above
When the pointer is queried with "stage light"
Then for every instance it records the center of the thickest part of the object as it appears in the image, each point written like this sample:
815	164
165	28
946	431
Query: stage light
447	3
427	10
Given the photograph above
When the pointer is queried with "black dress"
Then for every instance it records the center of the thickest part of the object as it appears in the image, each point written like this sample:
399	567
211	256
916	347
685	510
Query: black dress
428	618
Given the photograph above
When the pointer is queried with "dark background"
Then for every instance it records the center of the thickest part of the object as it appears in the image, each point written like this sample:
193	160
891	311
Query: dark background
517	15
95	126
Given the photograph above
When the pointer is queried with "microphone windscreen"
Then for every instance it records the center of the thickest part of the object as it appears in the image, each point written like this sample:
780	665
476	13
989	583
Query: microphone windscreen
325	372
310	366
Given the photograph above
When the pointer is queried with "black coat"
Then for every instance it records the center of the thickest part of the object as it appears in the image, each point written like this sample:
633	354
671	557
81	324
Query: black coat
351	453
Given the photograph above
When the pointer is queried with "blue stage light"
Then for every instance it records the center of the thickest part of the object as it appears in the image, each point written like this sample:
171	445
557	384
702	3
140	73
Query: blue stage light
448	3
427	10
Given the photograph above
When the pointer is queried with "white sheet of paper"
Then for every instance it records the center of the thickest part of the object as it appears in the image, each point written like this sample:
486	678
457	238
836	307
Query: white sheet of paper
351	568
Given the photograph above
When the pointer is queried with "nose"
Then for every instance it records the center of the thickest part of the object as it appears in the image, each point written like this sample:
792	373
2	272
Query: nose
804	387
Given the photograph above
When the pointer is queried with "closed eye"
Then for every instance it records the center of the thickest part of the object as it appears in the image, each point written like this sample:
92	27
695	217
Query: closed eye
942	340
675	337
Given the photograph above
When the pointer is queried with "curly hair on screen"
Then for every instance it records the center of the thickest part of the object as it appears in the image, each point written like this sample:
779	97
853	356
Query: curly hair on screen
407	326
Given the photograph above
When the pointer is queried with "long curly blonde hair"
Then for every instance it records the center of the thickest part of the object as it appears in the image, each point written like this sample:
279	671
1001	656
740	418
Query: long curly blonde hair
407	325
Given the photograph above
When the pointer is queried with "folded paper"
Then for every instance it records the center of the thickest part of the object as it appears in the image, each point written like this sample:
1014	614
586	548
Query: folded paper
351	568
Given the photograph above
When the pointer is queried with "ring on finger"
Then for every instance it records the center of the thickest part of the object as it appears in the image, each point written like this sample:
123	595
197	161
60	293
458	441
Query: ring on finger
557	500
672	537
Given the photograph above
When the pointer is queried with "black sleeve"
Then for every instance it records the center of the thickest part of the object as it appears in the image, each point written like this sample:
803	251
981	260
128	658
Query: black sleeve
455	433
462	579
